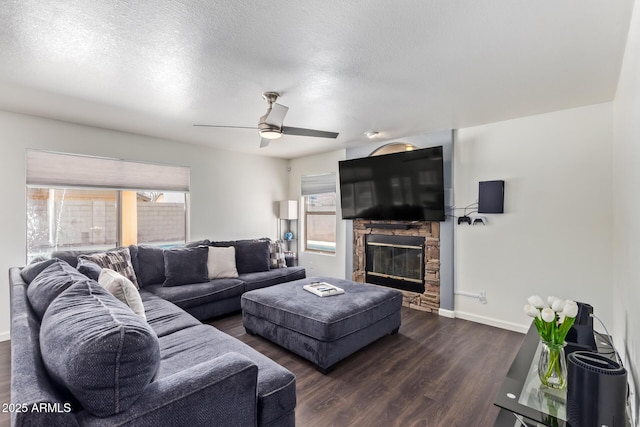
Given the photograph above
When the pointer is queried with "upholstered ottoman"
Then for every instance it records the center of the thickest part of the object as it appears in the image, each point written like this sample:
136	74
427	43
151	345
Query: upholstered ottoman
323	330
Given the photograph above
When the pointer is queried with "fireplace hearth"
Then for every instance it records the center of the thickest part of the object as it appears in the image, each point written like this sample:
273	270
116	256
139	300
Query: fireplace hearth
395	261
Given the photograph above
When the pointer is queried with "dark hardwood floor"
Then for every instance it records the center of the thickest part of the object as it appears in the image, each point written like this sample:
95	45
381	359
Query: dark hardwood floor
5	381
435	372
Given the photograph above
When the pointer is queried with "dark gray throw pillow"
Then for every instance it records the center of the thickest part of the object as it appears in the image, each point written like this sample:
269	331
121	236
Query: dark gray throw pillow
183	266
50	283
34	268
89	269
148	263
252	256
98	349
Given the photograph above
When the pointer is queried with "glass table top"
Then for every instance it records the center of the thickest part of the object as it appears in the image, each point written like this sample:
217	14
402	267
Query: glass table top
549	401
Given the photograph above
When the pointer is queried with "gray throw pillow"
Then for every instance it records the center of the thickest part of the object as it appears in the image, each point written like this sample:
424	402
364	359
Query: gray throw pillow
98	349
148	262
184	266
252	256
34	268
50	283
122	288
89	269
118	260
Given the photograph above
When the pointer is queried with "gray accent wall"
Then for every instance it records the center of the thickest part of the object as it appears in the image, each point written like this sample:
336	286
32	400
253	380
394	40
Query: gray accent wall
444	138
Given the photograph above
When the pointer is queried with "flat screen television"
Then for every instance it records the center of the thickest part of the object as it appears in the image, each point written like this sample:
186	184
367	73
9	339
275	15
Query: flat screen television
405	186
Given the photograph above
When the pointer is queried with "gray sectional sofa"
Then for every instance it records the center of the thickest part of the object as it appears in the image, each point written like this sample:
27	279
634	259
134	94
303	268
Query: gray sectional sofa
82	357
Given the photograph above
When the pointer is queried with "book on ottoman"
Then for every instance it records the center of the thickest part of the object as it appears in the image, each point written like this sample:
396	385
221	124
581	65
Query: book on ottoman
323	289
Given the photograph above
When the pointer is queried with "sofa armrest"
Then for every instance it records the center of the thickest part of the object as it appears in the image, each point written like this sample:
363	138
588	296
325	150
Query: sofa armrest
220	391
35	400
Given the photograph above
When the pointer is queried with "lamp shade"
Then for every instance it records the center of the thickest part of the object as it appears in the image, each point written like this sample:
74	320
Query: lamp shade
288	209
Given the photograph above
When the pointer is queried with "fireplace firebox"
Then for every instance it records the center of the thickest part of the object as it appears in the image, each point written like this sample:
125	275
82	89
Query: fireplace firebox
395	261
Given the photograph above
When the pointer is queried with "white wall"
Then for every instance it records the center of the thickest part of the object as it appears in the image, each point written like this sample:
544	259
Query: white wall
626	230
318	264
232	195
555	237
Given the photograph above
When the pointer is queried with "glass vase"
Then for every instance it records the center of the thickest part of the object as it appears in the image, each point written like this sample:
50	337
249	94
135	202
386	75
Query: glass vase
552	366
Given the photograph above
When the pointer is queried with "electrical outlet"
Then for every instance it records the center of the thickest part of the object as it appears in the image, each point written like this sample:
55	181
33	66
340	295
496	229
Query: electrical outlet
483	297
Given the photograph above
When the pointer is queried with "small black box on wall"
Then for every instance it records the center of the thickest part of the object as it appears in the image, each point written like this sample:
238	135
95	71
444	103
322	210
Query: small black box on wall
491	197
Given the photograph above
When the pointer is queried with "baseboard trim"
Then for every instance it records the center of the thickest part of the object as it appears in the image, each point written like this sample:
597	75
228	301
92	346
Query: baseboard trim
447	313
5	336
492	322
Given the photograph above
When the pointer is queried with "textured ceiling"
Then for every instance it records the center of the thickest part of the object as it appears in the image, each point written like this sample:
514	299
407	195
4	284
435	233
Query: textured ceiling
397	67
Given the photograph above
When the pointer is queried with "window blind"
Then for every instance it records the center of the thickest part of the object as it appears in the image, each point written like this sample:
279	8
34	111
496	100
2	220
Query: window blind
44	168
318	184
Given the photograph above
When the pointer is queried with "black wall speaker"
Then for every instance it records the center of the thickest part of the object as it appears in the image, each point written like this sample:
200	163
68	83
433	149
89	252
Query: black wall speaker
596	391
491	197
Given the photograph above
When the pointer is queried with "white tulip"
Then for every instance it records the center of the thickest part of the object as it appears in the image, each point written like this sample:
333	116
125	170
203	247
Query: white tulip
548	315
570	309
536	301
551	299
558	305
561	319
531	311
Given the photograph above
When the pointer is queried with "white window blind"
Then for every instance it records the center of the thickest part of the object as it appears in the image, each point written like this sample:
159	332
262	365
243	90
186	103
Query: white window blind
318	184
50	169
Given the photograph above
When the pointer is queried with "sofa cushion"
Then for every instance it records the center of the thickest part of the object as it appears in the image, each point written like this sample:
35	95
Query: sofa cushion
276	386
222	243
123	289
164	317
252	256
118	260
71	257
263	279
34	268
89	269
197	243
98	349
148	262
50	283
195	294
185	266
221	262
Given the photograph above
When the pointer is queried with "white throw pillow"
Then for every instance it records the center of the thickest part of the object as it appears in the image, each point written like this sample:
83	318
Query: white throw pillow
222	262
123	289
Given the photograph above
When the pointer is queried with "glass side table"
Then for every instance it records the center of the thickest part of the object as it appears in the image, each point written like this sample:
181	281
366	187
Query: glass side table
523	398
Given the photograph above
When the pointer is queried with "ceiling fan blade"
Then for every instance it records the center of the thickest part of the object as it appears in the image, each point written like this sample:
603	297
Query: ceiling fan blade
276	115
288	130
230	127
264	142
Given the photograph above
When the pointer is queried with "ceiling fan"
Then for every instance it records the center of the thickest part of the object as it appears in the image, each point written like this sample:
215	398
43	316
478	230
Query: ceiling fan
270	126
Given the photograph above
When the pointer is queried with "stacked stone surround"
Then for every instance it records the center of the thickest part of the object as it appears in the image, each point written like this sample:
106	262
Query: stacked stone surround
430	299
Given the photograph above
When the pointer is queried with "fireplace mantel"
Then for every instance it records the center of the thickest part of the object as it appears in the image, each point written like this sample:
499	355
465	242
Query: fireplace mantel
429	300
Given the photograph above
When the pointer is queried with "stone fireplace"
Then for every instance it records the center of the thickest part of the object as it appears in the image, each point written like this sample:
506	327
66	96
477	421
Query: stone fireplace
401	254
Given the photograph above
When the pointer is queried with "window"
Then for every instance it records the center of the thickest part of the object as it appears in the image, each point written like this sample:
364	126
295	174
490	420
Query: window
72	209
319	201
70	218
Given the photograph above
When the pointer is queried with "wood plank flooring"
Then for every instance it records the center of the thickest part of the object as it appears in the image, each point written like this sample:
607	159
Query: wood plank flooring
435	372
5	381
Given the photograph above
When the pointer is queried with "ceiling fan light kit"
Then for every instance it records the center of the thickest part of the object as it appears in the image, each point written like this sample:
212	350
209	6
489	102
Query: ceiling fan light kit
270	125
270	133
